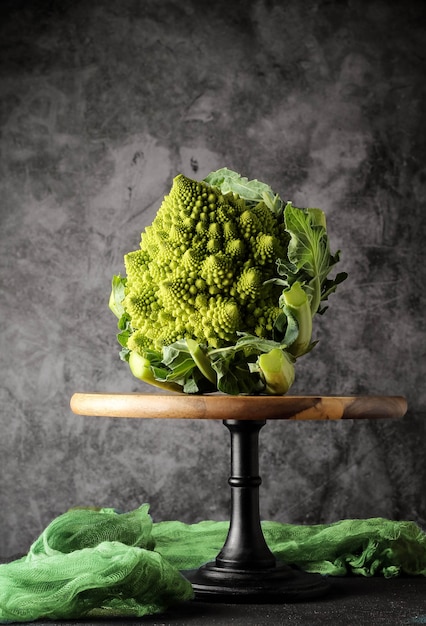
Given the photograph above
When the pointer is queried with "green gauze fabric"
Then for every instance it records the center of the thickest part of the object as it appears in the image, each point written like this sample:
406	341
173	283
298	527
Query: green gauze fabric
101	563
370	547
91	562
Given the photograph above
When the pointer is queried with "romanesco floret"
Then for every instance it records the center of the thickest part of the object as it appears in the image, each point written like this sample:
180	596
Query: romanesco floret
201	270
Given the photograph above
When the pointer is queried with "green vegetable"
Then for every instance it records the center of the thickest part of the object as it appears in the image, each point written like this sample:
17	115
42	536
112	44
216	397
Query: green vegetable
308	255
252	191
295	301
201	360
225	280
141	368
277	370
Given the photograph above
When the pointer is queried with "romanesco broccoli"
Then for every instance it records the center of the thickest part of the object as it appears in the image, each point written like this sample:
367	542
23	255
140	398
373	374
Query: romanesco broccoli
205	290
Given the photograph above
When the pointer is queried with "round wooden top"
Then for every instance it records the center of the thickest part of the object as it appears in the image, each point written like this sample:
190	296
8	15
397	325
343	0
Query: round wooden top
225	407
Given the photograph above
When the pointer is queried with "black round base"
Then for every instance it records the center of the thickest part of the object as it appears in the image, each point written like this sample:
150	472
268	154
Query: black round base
279	584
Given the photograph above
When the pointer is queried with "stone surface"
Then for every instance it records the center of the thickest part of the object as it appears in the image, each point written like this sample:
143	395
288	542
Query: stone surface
101	104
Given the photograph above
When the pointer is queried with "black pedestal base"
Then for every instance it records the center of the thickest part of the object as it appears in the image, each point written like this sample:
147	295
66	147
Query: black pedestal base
278	584
245	570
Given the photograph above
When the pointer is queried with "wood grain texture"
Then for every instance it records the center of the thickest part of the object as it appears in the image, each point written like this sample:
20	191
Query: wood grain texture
221	407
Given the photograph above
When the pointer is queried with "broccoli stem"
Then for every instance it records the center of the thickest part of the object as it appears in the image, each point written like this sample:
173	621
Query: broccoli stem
315	285
277	371
140	368
201	360
318	219
297	302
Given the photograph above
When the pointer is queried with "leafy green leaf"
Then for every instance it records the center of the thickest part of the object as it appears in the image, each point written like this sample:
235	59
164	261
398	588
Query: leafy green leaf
191	386
285	268
160	373
118	291
256	344
253	191
234	377
179	362
124	335
329	286
308	253
124	354
173	351
181	367
153	356
308	247
292	329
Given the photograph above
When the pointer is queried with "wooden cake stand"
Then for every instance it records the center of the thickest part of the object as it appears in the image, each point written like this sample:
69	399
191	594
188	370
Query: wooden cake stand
245	570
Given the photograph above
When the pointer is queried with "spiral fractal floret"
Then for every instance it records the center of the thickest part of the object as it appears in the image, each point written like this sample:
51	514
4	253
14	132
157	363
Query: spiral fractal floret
201	270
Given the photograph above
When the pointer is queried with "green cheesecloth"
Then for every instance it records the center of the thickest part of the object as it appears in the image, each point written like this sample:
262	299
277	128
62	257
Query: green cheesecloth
102	563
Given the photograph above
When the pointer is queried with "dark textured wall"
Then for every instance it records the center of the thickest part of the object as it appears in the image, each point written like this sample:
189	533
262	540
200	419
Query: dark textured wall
101	105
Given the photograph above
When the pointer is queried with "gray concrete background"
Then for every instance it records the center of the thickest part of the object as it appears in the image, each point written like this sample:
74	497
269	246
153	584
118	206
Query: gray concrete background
101	105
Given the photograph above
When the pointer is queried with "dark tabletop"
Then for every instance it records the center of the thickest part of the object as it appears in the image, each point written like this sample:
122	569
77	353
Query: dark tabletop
352	601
